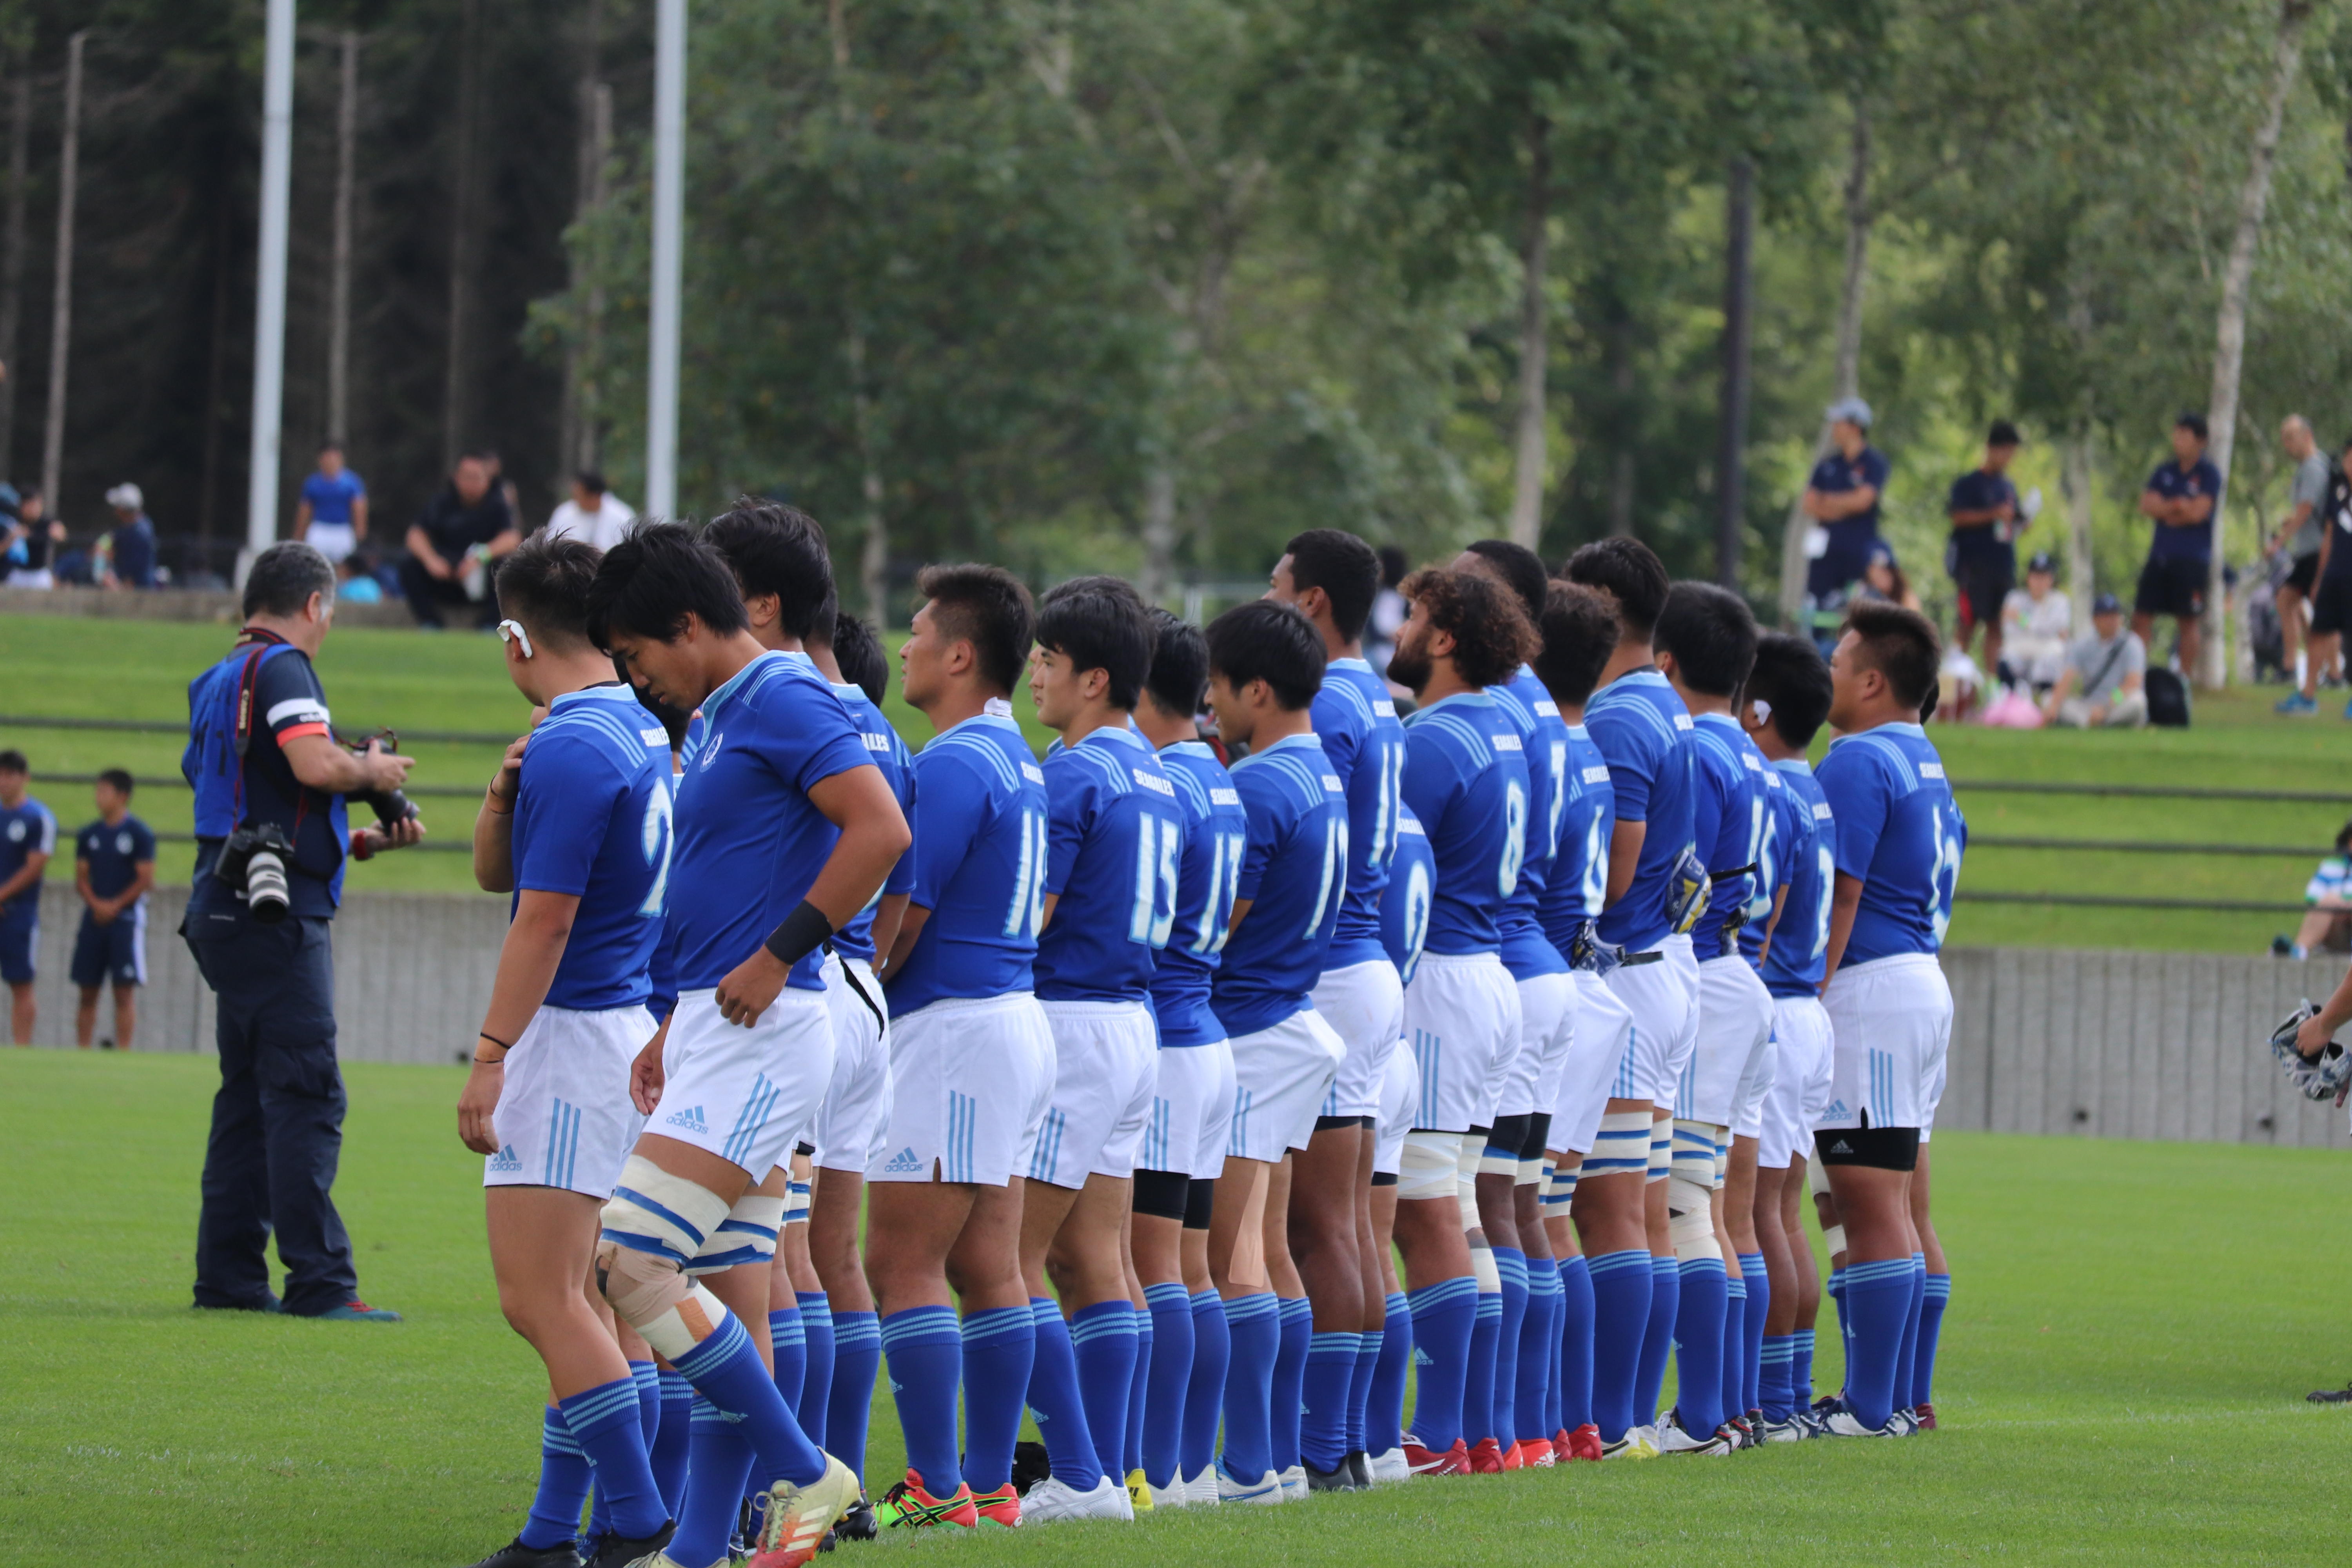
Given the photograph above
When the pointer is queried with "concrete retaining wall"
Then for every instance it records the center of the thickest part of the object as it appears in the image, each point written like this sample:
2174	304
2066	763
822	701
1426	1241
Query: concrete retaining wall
2095	1045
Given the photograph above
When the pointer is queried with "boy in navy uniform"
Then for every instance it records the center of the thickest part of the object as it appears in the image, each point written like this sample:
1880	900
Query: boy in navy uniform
2181	496
1982	555
28	837
114	864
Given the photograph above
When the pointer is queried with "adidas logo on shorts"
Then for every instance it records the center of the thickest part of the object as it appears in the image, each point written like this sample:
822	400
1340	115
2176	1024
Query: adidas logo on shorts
903	1163
1840	1148
505	1160
690	1118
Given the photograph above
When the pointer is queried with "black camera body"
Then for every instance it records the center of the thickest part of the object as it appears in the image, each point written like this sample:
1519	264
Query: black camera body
253	860
391	807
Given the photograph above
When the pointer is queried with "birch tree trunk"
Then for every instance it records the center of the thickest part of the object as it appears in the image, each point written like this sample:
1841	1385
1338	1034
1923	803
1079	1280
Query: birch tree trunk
2229	326
1847	371
1528	477
874	554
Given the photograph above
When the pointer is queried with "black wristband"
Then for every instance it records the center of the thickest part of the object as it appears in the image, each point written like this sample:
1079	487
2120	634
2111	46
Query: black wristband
800	933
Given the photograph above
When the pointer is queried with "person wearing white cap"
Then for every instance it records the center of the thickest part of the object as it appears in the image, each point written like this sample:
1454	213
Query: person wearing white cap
130	556
1842	498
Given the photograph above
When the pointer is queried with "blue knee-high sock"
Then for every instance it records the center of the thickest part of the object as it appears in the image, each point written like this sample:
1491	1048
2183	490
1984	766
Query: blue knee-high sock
1057	1403
668	1448
1444	1315
608	1424
850	1397
1878	1306
647	1379
1532	1400
1699	1344
1478	1379
925	1348
1939	1288
719	1465
1138	1392
1801	1369
1735	1348
1359	1387
815	1404
1103	1338
1576	1319
1776	1390
1665	1306
1759	1303
1622	1286
1290	1379
1512	1264
1384	1412
1254	1326
727	1371
1170	1373
564	1476
788	1338
1204	1390
1325	1388
1908	1356
1844	1322
1000	1352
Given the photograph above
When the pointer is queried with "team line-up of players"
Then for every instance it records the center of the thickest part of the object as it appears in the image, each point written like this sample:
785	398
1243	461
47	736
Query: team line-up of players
1143	1063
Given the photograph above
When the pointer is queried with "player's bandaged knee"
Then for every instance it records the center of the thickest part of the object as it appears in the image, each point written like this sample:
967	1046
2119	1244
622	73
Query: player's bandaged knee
1534	1174
1467	1155
1817	1179
1833	1237
1426	1167
1481	1264
653	1295
1722	1163
1692	1153
1690	1219
1623	1146
1559	1189
748	1235
653	1212
1662	1139
796	1204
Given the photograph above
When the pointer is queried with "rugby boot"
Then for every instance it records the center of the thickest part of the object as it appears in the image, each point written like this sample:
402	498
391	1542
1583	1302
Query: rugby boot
1337	1479
1584	1443
1053	1500
610	1551
515	1554
798	1517
999	1510
1487	1457
1453	1461
908	1506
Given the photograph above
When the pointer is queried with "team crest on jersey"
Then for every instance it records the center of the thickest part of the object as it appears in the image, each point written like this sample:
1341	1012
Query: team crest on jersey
710	747
122	844
16	833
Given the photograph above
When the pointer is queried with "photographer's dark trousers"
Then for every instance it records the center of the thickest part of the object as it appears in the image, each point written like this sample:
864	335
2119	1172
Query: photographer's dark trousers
277	1120
427	595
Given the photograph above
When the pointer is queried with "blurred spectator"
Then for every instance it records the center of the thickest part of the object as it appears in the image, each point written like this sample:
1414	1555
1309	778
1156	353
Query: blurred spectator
1842	498
594	515
2180	495
503	485
451	543
2331	596
1981	556
32	537
355	581
28	837
1883	579
114	866
2307	534
332	516
130	545
2035	621
2102	686
2328	922
1389	609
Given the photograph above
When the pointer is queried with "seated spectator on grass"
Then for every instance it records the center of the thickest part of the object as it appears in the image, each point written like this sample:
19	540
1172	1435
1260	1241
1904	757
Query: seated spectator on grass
28	543
2102	688
131	545
2328	923
355	581
451	544
2037	621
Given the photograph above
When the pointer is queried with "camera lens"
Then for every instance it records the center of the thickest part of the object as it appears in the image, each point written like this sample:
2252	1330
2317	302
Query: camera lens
265	896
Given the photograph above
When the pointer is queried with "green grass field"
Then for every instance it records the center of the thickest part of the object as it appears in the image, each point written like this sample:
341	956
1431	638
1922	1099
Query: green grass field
118	668
2132	1328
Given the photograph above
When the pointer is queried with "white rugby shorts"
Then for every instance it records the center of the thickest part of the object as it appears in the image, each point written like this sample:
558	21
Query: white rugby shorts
1890	1025
1601	1032
1734	1035
565	1118
1364	1005
970	1082
1461	1018
1192	1112
1799	1091
1105	1071
856	1109
1664	1006
745	1095
1400	1098
335	540
1281	1074
1531	1082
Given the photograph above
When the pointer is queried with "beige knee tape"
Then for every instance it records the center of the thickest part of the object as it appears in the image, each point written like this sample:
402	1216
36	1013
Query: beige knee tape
1817	1179
654	1296
1425	1168
1690	1220
1833	1237
1662	1147
1466	1155
748	1235
1481	1264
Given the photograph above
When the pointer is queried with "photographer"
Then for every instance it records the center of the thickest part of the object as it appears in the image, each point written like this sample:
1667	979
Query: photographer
271	839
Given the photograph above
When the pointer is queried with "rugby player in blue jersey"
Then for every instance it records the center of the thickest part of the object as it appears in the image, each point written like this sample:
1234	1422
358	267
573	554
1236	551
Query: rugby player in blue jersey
1405	929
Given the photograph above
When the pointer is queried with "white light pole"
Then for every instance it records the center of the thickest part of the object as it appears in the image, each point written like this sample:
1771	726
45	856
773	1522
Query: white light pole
669	224
270	305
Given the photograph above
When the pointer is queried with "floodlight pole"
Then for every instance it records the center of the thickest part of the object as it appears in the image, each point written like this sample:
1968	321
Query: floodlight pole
270	304
669	224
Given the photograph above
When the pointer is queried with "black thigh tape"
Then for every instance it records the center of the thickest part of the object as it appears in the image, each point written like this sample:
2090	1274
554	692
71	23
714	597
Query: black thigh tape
1874	1148
1162	1193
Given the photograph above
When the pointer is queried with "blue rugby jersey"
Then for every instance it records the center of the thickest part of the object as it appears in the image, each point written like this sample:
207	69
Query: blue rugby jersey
1295	872
979	866
1357	724
1801	943
1776	863
1578	887
1413	888
889	753
1216	840
114	853
25	831
749	842
592	818
1526	950
1645	734
1730	815
1900	831
1465	776
1115	838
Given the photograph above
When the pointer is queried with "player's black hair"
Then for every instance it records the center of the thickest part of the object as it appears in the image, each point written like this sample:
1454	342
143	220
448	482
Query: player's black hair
1899	643
1344	567
544	585
1521	568
1263	640
592	481
481	455
988	607
776	549
1629	572
2192	422
1395	566
2003	434
1179	665
2343	836
120	779
330	445
658	575
1790	674
12	761
1712	635
1579	632
1100	623
1492	636
283	578
859	653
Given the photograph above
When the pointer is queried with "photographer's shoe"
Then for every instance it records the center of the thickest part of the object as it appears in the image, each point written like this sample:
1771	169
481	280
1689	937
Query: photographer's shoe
355	1312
